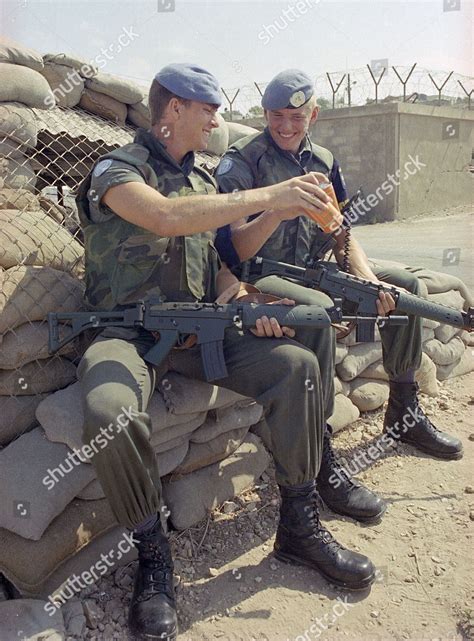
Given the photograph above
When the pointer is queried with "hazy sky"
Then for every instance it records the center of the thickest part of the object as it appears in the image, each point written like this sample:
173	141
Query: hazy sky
235	39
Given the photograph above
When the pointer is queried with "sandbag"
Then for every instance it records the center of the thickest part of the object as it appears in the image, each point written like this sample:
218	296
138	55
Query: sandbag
17	415
139	115
84	68
34	238
444	353
62	417
190	497
439	282
445	333
341	387
463	366
21	56
202	454
19	199
48	375
425	375
21	84
219	138
54	211
168	461
226	419
35	567
103	106
29	293
238	131
359	358
45	490
341	353
161	438
66	84
29	342
11	149
369	394
345	413
18	123
122	90
17	173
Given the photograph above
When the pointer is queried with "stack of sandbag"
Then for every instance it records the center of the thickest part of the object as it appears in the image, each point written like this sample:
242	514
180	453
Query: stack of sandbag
203	446
362	383
18	138
111	97
66	75
21	78
40	268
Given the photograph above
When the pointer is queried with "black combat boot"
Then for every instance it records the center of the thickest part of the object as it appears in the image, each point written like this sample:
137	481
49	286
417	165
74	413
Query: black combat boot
152	613
341	493
302	539
406	421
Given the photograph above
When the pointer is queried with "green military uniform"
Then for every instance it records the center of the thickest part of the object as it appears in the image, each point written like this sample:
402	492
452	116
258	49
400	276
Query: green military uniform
125	263
256	161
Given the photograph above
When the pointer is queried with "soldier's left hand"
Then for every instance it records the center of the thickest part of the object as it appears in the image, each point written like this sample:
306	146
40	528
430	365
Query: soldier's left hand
270	328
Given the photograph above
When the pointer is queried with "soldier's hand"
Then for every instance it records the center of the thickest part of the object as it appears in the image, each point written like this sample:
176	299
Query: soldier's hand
270	328
385	303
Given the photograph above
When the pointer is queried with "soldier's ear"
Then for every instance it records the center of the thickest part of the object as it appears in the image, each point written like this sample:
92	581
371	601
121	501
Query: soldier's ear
314	115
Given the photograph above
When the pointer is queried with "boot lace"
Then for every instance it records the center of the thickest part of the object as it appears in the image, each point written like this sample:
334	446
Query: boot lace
331	460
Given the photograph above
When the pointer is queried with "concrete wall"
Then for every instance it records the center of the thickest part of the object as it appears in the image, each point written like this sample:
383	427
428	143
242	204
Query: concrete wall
375	142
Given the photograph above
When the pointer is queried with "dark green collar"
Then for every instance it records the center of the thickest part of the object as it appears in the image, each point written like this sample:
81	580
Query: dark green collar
158	151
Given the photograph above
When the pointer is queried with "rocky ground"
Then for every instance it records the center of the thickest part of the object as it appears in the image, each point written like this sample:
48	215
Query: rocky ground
230	587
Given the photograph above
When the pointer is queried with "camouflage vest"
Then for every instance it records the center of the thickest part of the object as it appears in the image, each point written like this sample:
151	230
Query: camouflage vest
294	240
126	263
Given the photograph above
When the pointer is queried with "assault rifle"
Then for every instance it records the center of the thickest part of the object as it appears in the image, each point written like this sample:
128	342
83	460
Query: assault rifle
359	296
207	321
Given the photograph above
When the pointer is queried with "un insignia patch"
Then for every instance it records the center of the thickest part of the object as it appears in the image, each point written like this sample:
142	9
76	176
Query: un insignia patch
101	167
225	165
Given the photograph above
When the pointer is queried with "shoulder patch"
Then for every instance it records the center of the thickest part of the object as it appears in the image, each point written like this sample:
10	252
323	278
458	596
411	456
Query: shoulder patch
224	166
101	167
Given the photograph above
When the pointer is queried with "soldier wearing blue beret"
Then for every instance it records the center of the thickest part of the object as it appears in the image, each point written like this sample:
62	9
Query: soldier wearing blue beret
284	149
148	212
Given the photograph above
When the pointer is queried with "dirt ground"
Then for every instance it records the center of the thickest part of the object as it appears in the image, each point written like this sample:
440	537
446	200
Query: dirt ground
230	587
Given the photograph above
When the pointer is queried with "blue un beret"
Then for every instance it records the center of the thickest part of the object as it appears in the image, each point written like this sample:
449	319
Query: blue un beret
190	82
289	89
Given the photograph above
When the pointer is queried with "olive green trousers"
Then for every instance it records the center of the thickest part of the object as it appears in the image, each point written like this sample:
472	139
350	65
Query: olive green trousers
401	344
280	374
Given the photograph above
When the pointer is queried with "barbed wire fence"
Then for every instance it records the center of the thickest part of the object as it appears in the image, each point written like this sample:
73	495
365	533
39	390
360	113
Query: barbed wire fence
372	84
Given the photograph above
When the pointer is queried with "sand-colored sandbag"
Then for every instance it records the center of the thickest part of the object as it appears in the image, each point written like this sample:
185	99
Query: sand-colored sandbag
23	56
467	338
39	377
445	333
427	334
11	149
66	84
36	567
54	211
226	419
369	395
202	454
238	131
139	115
444	353
341	352
84	68
463	366
18	123
17	173
19	199
219	139
122	90
38	473
103	106
439	282
341	387
168	461
359	358
21	84
34	238
29	342
29	293
425	375
62	417
17	416
345	413
164	439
